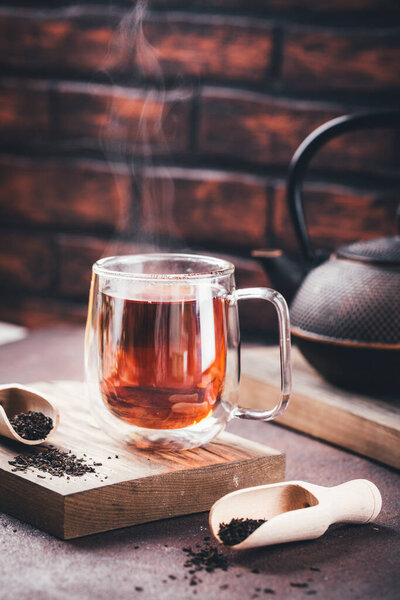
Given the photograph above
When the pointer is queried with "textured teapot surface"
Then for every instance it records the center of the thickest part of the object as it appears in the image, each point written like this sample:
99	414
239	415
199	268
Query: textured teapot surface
353	297
346	321
383	251
349	301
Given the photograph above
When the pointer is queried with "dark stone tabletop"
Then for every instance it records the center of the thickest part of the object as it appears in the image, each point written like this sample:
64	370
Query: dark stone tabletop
147	561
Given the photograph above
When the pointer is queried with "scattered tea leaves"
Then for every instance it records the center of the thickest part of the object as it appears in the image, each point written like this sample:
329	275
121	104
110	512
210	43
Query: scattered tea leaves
52	461
206	559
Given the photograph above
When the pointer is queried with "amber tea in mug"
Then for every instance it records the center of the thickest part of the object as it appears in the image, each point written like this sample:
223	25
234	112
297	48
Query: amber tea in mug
156	371
162	348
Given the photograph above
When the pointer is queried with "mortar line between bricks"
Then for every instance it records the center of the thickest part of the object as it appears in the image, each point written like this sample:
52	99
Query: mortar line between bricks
56	262
54	111
343	99
135	213
275	69
270	233
194	124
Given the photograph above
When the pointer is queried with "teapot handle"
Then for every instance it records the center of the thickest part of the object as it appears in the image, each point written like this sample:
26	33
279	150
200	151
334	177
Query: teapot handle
305	152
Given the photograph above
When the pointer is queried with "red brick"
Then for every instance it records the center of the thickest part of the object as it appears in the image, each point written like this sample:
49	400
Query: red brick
342	60
248	272
79	253
87	41
337	215
26	261
63	194
36	312
24	108
256	316
123	119
205	207
372	151
208	47
260	129
54	40
254	127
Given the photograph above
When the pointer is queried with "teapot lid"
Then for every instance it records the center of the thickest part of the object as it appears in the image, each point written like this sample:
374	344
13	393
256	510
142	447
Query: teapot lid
382	251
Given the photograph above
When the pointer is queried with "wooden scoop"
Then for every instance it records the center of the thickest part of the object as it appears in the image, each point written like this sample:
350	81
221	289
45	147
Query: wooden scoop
16	399
296	510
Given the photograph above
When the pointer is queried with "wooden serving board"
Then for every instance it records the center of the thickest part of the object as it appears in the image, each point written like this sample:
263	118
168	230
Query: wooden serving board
369	426
136	487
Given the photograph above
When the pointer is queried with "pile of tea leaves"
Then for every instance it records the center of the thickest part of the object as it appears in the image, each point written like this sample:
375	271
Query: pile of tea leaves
237	530
32	425
54	462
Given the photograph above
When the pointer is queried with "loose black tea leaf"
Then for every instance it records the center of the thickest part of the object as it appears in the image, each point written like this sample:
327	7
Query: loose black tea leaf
52	461
32	425
206	559
237	530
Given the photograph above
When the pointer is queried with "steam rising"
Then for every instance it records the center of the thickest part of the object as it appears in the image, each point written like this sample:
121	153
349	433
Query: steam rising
135	133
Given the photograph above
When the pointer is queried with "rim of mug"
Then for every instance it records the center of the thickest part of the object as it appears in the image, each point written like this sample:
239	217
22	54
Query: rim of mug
223	267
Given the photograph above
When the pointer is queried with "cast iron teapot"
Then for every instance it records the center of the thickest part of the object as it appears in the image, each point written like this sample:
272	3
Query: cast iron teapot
345	313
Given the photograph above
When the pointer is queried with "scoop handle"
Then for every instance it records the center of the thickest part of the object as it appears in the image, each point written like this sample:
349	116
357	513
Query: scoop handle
356	501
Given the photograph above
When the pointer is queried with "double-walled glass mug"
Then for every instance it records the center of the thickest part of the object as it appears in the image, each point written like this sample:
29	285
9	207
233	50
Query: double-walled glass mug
162	357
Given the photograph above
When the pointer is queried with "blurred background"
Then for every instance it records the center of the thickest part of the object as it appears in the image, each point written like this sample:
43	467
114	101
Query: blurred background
176	131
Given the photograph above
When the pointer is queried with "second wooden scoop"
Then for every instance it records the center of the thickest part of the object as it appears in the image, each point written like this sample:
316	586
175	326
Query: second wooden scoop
16	399
296	510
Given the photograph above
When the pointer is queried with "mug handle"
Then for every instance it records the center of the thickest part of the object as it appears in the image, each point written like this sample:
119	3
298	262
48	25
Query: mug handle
282	310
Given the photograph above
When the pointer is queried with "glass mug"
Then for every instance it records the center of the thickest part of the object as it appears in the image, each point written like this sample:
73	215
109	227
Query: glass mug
162	355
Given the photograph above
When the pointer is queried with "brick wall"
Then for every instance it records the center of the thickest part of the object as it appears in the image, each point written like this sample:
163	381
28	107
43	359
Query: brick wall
238	85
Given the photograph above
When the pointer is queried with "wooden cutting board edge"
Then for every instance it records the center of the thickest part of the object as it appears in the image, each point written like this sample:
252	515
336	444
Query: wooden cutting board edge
178	488
226	464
